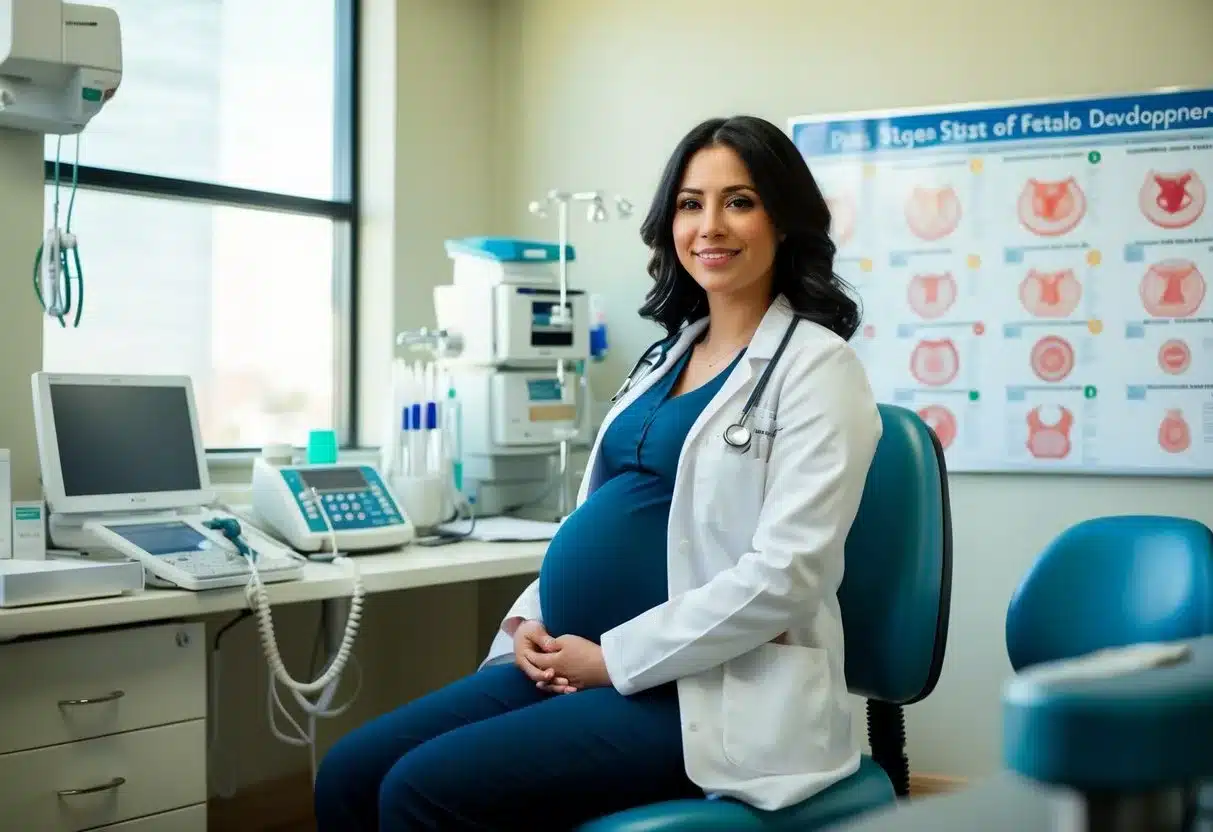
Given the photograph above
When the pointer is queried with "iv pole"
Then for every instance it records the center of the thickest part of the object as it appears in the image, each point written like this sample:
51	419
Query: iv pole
596	213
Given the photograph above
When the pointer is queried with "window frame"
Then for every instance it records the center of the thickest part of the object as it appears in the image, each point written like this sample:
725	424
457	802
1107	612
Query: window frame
343	209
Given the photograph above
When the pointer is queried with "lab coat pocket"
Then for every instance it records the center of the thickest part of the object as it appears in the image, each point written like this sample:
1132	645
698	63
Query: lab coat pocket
777	712
763	430
729	485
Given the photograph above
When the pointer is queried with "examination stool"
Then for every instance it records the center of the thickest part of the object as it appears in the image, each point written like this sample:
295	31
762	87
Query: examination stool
895	598
1124	751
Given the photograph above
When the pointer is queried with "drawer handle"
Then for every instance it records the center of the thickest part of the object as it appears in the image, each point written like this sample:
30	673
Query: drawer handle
104	787
96	700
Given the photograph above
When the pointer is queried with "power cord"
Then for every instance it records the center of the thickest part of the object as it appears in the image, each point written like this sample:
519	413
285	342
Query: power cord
58	253
443	537
223	770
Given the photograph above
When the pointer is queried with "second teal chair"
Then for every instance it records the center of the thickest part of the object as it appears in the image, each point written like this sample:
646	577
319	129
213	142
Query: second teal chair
1109	582
895	598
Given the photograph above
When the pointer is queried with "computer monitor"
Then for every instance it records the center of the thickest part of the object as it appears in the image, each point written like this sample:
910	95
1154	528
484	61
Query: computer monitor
110	443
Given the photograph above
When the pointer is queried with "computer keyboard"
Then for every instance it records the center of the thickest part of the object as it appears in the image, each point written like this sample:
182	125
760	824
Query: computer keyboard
219	564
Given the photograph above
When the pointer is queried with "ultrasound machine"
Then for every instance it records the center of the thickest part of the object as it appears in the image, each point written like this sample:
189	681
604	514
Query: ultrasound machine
125	475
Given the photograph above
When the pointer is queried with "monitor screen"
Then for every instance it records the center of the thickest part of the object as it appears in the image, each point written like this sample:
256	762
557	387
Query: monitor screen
124	439
333	479
169	538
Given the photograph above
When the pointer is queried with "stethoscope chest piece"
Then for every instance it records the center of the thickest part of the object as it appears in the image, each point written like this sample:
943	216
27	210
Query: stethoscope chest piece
737	436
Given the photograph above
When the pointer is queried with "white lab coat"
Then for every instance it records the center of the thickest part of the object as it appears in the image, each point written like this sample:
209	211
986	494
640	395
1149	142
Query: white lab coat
755	550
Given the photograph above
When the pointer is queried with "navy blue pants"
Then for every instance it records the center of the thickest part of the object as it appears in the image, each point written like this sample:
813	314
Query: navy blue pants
491	752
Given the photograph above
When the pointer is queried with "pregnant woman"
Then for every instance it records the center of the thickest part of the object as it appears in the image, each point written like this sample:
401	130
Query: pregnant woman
684	635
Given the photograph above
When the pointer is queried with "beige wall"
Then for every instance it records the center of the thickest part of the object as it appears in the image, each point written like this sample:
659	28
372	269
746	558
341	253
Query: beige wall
603	91
20	315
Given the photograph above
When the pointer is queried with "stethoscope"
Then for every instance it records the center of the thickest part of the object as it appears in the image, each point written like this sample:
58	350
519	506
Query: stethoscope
736	435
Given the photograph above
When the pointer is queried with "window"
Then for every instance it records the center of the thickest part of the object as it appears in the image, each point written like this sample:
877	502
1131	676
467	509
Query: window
215	213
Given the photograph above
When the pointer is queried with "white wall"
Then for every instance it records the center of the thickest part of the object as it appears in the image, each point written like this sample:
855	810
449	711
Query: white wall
603	91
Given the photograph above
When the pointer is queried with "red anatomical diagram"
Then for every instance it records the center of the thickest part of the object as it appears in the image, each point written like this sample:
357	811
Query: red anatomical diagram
931	295
1051	208
1052	358
1173	434
932	213
1172	289
1174	357
1172	200
1050	294
939	419
1049	439
842	218
935	362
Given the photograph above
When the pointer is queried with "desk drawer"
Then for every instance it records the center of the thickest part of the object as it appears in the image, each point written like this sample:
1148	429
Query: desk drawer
192	819
57	690
134	774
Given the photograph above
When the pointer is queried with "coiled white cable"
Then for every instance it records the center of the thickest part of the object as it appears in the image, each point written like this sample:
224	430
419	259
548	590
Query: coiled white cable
325	684
259	599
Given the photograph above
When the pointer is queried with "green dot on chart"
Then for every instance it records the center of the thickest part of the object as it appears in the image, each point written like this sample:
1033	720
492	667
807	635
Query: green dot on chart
1088	392
1094	156
974	395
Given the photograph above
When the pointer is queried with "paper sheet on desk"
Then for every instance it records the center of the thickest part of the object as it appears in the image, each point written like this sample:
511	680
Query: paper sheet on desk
504	530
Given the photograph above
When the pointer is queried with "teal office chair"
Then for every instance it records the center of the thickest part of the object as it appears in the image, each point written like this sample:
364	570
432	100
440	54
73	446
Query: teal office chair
1132	747
895	598
1110	582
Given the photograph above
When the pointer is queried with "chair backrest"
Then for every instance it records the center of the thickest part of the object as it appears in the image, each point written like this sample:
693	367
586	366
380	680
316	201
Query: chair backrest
897	586
1112	581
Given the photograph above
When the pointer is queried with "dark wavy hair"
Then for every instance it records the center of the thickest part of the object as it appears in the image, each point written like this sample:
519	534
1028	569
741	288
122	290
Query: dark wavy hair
804	259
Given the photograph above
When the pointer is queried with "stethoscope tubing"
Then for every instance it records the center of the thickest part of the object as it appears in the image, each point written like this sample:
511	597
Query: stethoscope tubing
736	435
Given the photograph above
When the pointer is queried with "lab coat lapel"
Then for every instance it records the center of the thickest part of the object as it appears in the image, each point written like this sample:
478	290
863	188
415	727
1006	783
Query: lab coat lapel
762	346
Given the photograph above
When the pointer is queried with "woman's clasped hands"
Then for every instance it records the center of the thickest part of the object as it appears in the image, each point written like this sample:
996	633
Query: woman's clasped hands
565	664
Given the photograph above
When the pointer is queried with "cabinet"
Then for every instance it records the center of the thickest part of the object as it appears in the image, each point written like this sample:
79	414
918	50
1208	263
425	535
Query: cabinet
105	731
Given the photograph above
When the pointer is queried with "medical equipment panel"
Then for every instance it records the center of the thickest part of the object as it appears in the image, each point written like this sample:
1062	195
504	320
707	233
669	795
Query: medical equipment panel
526	410
295	501
189	553
60	63
507	325
496	260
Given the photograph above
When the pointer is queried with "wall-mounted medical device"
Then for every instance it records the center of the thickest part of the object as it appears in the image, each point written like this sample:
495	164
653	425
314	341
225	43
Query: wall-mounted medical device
310	505
60	63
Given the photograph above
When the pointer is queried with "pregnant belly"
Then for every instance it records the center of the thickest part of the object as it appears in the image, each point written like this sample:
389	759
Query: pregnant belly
607	563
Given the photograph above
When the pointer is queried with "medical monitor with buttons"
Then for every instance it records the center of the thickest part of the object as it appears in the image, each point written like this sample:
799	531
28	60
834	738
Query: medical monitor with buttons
302	502
110	443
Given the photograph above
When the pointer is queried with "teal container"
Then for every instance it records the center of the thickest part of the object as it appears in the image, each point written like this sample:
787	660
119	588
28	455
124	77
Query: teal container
321	447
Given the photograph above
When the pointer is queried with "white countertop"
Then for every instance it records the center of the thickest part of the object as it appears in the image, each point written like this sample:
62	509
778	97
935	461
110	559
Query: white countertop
410	567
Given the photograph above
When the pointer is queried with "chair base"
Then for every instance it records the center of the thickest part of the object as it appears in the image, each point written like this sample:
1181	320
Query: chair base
865	790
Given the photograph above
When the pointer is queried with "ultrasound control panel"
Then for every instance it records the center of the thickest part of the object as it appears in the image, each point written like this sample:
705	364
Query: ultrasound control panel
311	504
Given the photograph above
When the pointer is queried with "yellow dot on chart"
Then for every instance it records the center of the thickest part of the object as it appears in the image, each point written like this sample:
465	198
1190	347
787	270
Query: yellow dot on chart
869	171
975	165
974	261
865	265
1094	258
1095	326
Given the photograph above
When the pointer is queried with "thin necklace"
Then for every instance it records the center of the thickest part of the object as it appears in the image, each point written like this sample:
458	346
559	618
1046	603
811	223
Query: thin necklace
713	362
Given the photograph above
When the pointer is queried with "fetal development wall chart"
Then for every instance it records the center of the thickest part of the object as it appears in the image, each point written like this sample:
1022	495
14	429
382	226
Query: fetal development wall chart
1034	276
